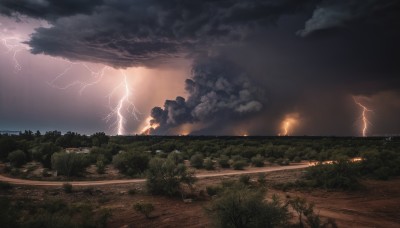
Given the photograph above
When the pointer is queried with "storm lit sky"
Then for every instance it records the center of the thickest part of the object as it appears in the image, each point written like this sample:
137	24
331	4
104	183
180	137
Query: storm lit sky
202	67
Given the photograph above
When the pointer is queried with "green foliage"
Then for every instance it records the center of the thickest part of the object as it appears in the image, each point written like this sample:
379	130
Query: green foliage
144	208
213	190
208	164
131	162
380	164
197	161
176	157
7	144
306	210
17	158
69	164
164	177
100	167
242	207
223	161
244	179
338	175
262	180
239	164
67	187
43	152
258	161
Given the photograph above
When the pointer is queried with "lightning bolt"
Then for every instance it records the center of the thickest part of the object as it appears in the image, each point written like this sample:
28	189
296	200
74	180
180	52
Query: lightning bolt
14	45
363	117
286	128
124	103
96	75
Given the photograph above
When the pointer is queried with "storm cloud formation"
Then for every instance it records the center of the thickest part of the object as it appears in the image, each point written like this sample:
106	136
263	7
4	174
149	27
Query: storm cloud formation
217	90
307	58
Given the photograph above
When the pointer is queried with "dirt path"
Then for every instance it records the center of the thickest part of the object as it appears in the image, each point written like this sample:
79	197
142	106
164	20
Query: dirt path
130	181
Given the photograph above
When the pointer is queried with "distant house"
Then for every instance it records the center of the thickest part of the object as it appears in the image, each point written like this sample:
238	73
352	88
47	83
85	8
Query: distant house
76	150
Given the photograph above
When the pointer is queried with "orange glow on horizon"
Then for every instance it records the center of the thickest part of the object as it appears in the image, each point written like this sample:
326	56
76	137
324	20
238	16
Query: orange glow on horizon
288	124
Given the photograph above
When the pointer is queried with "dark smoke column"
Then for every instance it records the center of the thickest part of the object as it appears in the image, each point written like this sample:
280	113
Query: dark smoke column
218	90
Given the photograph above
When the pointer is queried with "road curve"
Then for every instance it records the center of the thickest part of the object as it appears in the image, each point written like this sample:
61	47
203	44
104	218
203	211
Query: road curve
15	181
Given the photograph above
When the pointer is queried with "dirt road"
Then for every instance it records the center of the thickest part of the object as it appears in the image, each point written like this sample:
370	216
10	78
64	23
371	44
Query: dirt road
130	181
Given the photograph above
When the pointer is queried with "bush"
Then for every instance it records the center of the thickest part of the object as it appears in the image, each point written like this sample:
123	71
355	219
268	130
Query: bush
258	161
197	161
100	167
164	177
338	175
262	180
208	164
239	165
17	158
242	207
213	190
132	192
244	179
131	162
223	161
67	187
144	208
69	164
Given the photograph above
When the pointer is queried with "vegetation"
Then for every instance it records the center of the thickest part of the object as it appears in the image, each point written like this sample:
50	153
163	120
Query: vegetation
131	162
240	206
69	164
67	187
165	177
17	158
144	208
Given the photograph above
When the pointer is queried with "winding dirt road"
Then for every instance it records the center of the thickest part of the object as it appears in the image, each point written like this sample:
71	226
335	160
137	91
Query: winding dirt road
15	181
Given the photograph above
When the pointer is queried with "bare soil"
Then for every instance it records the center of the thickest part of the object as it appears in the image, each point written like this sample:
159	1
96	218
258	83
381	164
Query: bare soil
377	205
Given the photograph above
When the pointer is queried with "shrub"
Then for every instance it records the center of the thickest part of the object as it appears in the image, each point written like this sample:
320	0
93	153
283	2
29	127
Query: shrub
239	165
244	179
131	162
262	180
213	190
67	187
100	167
17	158
132	192
338	175
197	161
144	208
69	164
176	157
223	161
208	164
164	177
258	161
242	207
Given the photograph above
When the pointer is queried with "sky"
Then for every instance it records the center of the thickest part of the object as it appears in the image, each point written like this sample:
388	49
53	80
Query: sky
201	67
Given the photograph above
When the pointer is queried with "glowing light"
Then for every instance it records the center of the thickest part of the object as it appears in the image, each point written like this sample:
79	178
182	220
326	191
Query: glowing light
363	117
150	125
124	103
14	45
96	75
288	123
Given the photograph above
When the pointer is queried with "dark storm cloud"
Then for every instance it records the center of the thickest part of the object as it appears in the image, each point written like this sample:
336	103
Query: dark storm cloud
218	90
47	9
331	14
123	33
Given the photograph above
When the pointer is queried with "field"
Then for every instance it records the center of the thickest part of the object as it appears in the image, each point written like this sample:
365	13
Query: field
364	192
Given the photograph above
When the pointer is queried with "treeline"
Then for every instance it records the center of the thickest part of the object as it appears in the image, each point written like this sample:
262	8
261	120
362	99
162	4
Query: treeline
131	155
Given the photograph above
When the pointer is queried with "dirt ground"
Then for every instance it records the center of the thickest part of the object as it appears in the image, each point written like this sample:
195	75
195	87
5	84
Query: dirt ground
377	205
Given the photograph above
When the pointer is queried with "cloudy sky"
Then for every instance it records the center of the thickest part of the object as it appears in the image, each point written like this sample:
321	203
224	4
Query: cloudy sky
210	67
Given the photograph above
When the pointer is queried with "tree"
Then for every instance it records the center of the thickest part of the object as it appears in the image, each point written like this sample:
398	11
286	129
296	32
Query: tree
17	158
165	177
208	164
258	160
131	162
197	161
240	207
69	164
43	153
7	145
223	161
